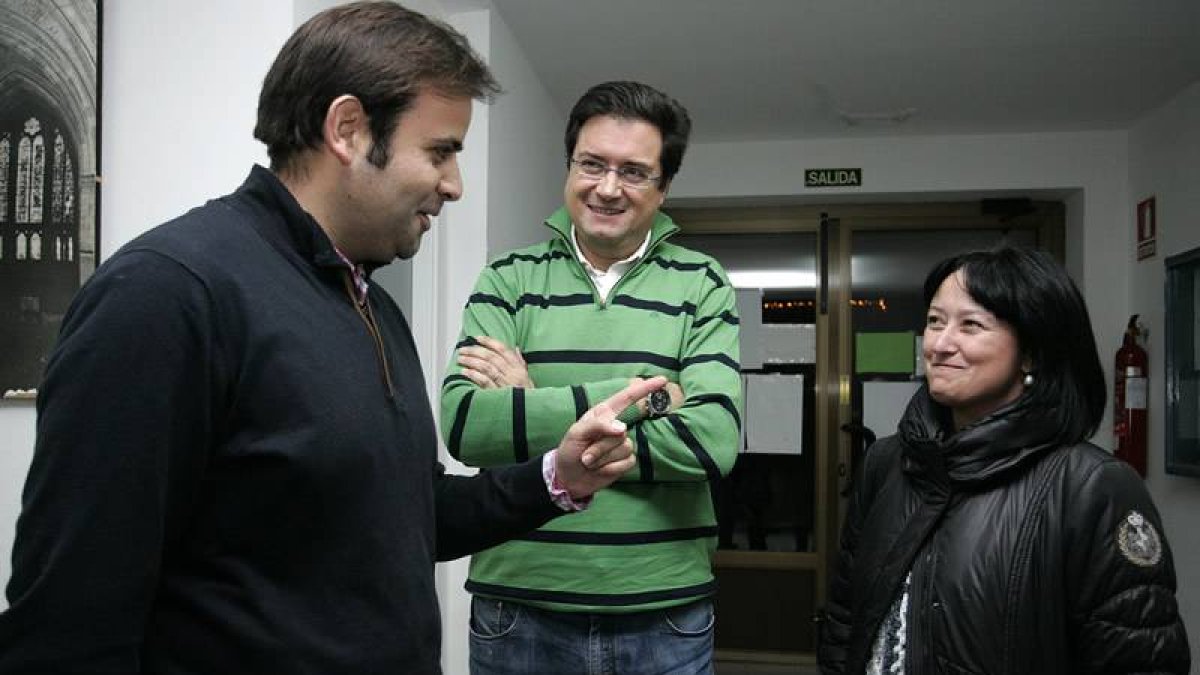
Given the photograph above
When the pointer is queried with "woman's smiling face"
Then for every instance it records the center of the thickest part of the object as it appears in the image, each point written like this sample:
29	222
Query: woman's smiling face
973	362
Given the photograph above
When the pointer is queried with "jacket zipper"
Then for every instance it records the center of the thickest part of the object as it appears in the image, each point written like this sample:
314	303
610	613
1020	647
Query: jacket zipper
368	317
582	271
923	605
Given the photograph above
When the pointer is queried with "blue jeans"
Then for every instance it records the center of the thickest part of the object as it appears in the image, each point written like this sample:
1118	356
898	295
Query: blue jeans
512	639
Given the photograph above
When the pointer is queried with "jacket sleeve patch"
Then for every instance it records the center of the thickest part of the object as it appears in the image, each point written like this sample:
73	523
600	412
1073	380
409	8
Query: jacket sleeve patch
1139	541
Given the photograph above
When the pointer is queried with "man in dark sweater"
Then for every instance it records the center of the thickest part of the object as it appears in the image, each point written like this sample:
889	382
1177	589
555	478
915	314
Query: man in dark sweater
235	469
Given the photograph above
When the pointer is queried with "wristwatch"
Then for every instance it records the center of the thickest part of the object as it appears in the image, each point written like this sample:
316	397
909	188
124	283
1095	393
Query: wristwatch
658	403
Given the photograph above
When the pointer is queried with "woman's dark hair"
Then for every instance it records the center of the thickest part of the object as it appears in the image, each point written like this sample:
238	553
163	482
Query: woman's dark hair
635	101
1032	293
378	52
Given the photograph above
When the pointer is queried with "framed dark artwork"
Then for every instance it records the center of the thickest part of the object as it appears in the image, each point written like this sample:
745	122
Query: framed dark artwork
49	181
1183	363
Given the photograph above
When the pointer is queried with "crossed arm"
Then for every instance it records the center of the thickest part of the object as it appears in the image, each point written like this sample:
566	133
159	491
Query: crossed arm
491	364
495	412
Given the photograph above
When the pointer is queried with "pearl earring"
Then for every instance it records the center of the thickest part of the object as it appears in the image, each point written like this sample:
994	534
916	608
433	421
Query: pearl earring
1028	381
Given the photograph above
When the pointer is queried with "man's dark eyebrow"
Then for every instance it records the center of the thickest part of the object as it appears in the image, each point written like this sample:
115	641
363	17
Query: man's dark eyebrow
452	144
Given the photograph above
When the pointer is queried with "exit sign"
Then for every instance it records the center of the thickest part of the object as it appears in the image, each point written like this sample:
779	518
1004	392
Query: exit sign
833	178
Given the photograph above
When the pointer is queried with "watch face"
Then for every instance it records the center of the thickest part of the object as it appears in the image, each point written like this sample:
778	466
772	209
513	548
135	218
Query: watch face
658	403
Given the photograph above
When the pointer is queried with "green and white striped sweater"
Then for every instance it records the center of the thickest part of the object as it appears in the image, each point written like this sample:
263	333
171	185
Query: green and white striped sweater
646	542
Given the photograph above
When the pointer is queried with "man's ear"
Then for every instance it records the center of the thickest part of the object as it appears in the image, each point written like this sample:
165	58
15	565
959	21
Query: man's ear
346	130
662	194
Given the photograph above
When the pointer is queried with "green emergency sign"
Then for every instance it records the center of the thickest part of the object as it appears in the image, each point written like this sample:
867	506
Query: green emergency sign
833	178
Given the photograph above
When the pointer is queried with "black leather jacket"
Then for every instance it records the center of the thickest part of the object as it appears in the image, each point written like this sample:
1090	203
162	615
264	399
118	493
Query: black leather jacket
1026	557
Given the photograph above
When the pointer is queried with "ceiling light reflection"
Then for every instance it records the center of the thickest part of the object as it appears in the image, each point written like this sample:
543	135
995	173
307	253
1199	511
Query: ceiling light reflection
773	279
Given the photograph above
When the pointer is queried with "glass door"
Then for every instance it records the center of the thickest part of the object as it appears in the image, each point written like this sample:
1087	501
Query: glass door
770	561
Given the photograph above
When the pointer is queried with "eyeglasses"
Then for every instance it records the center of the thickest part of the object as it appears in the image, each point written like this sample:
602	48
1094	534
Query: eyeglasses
631	176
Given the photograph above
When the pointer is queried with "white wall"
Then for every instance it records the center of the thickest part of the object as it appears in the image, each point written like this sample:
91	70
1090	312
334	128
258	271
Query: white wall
1164	162
16	450
180	89
526	164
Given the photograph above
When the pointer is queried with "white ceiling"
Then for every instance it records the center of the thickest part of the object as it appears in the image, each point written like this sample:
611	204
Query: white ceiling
766	69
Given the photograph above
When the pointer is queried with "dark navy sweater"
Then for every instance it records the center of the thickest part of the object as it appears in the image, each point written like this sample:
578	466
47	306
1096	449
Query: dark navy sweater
235	468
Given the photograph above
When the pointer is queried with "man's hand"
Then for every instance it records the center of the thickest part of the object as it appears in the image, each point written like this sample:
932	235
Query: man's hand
595	451
491	364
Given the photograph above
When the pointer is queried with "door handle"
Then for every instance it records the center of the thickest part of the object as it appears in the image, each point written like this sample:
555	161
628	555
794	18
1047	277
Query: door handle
823	291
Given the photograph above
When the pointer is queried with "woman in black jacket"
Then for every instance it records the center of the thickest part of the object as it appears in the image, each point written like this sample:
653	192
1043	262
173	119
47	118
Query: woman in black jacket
987	535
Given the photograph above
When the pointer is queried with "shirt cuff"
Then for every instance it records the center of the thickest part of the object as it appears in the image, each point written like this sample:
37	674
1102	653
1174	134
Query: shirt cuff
558	493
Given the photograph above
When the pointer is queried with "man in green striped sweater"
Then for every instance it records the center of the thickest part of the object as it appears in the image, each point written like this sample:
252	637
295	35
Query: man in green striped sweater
624	585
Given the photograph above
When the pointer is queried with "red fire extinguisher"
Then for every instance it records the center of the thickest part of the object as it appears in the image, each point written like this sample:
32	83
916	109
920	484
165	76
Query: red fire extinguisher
1129	400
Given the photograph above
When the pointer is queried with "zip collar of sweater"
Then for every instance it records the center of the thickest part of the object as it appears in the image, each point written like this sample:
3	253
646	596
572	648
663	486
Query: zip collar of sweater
298	231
